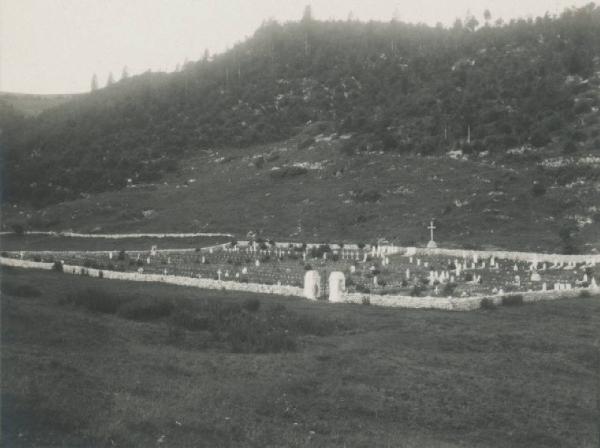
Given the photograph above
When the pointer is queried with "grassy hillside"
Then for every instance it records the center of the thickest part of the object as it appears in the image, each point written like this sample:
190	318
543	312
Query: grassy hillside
395	87
31	105
139	374
519	201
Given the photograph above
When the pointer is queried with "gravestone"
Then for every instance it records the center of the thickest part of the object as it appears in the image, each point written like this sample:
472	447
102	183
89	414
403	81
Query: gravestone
312	285
337	286
153	250
536	277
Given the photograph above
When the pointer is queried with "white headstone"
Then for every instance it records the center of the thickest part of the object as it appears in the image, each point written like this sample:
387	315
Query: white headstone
244	270
257	262
110	255
352	269
312	285
219	274
337	286
536	277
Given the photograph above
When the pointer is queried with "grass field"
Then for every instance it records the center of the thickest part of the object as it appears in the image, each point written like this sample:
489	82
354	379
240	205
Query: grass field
351	375
13	242
479	203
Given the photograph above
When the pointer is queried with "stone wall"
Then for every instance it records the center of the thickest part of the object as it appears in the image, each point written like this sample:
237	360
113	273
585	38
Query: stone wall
441	303
499	254
118	236
204	283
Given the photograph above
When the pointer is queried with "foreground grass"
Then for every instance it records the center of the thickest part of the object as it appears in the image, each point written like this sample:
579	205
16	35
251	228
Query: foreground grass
522	376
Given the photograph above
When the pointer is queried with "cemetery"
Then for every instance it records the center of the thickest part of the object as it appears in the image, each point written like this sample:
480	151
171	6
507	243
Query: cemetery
377	273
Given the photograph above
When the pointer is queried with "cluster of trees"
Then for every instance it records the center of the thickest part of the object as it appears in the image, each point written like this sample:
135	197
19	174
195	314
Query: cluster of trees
394	86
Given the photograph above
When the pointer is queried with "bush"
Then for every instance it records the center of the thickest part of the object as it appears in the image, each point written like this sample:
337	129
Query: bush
449	289
96	300
288	171
251	305
538	189
19	290
512	300
37	258
488	304
585	295
146	309
365	300
18	229
57	266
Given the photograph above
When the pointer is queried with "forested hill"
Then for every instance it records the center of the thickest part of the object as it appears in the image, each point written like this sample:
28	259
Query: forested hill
394	87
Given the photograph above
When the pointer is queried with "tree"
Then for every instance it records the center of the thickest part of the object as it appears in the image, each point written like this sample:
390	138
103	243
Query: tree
125	73
94	84
307	15
111	80
487	16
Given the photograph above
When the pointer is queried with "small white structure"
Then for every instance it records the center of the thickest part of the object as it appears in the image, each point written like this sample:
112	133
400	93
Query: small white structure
337	286
312	285
536	277
153	250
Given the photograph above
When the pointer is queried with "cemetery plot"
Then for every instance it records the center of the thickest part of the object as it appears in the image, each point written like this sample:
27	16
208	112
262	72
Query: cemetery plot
366	270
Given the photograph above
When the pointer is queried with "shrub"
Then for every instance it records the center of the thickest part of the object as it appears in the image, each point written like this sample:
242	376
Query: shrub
512	300
365	300
19	290
96	300
251	305
288	171
37	258
538	189
416	291
184	318
487	304
57	266
585	295
146	309
368	196
363	289
449	289
18	229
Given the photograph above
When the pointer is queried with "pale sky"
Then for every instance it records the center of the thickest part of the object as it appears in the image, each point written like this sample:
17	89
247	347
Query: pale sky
55	46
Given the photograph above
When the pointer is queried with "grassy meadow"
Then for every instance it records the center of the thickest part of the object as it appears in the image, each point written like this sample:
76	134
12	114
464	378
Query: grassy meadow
90	362
14	242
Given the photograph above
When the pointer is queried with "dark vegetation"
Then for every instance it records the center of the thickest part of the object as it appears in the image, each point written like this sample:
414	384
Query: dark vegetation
381	377
241	327
395	87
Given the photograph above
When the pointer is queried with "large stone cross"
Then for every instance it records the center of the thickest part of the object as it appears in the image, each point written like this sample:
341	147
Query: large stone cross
431	228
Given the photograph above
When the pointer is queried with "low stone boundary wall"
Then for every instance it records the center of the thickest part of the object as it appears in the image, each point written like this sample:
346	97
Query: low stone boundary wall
118	236
499	254
204	283
441	303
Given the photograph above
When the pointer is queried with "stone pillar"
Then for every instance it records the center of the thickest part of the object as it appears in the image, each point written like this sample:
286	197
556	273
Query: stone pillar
337	286
312	285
